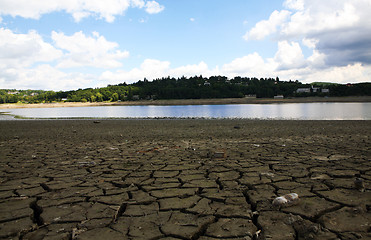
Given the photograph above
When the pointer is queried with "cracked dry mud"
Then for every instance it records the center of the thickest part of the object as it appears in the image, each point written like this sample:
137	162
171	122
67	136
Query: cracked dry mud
184	179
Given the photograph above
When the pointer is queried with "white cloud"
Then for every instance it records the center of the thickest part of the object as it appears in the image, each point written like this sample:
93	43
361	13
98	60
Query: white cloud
27	61
27	9
44	77
250	65
153	7
337	31
289	63
310	42
192	19
79	9
353	73
320	18
267	27
78	16
138	3
192	70
93	51
253	65
78	50
294	4
289	55
154	68
317	60
150	69
23	50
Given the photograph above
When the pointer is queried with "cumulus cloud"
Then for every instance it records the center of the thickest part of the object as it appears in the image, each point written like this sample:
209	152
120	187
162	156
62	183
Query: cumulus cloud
44	77
138	3
23	50
310	42
289	55
93	51
289	63
192	70
337	31
250	65
253	65
28	61
79	9
153	68
153	7
78	50
317	60
341	30
267	27
294	4
352	73
149	69
315	19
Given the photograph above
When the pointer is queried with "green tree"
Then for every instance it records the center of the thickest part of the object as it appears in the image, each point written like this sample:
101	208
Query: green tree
122	97
130	94
99	97
115	97
93	98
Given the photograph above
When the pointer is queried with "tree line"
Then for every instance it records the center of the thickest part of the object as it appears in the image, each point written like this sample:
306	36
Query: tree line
197	87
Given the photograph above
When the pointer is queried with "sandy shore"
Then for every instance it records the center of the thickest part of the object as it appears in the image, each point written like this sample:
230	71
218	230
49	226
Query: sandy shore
191	102
184	179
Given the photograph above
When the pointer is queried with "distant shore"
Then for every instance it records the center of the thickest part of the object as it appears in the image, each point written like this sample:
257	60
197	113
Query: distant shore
190	102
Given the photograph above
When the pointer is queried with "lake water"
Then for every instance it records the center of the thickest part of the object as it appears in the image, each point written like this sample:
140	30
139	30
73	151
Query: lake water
299	111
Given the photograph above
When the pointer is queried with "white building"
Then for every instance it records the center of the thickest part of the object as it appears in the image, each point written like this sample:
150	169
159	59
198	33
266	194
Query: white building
303	90
315	89
325	90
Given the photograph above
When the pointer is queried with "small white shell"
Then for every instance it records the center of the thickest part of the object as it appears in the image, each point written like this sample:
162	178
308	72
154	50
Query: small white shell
279	201
291	197
286	200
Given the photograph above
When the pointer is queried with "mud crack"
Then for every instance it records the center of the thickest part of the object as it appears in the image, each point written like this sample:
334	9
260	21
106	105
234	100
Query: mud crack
37	210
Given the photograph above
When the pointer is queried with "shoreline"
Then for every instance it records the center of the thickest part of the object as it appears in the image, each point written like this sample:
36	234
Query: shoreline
221	101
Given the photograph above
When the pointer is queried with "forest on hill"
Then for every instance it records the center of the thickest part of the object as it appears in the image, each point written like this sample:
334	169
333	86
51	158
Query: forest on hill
196	87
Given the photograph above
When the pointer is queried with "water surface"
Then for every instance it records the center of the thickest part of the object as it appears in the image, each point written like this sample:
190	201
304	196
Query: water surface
298	111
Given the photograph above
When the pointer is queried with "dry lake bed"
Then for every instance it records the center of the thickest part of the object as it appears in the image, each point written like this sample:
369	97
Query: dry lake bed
184	179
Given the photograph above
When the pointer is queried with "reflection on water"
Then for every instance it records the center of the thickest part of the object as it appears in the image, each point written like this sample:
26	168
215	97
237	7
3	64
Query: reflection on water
301	111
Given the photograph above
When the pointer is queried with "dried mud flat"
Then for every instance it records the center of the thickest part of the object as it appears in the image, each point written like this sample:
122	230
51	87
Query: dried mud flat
184	179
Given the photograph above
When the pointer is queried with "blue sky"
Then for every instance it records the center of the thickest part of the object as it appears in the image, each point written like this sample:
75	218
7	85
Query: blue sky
62	45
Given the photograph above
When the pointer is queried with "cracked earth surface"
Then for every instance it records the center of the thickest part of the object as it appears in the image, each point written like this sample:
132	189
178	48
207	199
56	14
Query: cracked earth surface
184	179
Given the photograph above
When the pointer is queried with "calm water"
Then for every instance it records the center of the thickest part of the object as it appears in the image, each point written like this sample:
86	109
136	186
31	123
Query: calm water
301	111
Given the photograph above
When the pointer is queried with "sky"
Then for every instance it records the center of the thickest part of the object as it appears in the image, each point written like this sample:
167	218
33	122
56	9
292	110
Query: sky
71	44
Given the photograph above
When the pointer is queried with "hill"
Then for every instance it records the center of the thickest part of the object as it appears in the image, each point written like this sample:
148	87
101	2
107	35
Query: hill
196	87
